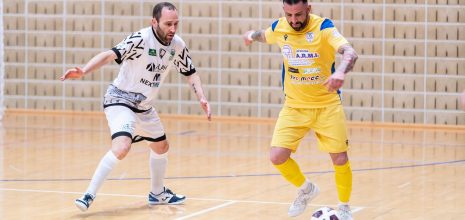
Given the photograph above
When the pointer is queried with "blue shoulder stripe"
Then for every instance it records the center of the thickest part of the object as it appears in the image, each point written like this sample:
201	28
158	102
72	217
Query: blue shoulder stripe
326	24
273	26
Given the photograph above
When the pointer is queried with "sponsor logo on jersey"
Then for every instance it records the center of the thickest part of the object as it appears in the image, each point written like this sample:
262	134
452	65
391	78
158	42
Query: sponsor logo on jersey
152	67
302	57
287	51
302	53
155	81
148	83
309	36
293	70
308	80
312	70
299	62
285	37
153	52
156	77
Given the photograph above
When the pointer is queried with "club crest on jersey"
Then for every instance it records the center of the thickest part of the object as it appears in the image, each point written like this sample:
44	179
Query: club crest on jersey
153	52
162	52
285	37
172	54
309	36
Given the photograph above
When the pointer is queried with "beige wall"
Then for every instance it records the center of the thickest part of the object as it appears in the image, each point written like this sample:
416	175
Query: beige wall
411	66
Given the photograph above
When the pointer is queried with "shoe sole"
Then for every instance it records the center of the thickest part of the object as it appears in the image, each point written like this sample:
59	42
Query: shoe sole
165	203
80	205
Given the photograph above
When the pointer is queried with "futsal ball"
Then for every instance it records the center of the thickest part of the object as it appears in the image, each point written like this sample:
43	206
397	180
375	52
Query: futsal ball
325	213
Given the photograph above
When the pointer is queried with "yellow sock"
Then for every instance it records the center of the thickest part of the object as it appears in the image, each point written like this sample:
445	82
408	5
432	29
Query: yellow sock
291	172
343	176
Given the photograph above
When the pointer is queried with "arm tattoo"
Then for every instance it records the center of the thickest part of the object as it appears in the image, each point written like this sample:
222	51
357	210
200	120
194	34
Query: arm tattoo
259	36
195	89
349	57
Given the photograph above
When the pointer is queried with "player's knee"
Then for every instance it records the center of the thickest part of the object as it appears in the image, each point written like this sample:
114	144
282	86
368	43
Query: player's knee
160	147
279	155
121	151
121	147
340	159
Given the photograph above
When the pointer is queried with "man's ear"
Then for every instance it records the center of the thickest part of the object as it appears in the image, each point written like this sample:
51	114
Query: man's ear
154	22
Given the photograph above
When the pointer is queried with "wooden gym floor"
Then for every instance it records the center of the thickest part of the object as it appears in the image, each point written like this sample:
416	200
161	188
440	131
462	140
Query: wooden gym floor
400	172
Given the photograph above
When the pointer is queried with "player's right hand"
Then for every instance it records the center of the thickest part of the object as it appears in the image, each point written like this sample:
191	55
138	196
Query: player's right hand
74	73
245	36
334	82
206	108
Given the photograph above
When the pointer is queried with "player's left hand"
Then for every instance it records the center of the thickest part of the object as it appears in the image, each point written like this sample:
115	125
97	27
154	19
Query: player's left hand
206	108
73	73
334	82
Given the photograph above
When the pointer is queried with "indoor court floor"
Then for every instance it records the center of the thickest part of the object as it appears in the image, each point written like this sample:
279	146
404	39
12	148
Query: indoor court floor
222	166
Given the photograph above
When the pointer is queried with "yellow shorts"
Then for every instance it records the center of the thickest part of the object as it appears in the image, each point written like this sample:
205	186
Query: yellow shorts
328	124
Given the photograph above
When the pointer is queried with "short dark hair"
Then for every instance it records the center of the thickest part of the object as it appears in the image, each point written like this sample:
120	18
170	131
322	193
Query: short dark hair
292	2
159	7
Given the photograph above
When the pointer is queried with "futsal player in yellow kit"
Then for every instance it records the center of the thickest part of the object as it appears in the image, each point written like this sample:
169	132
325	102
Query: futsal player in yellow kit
311	84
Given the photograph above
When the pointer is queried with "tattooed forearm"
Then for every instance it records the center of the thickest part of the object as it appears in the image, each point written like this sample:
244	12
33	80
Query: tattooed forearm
196	85
259	36
349	57
194	88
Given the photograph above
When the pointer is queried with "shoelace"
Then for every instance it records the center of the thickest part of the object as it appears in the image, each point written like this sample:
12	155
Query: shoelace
300	199
169	192
87	198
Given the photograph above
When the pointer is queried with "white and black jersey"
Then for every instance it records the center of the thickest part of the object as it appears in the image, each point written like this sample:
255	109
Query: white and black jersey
145	62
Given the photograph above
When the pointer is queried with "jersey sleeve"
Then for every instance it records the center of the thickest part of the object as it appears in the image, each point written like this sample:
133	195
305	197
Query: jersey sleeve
335	39
332	35
131	48
270	34
182	60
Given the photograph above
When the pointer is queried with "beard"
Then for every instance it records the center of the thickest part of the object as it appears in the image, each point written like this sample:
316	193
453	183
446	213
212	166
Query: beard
301	24
163	36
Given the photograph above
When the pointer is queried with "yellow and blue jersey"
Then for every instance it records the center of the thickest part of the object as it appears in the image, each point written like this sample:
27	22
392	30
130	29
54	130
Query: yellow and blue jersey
309	59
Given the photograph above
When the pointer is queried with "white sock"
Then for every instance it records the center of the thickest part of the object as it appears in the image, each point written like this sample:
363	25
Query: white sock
304	186
103	169
157	171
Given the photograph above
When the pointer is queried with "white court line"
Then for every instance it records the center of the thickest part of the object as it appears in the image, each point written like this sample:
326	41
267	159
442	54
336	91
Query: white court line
228	201
404	185
207	210
356	209
15	169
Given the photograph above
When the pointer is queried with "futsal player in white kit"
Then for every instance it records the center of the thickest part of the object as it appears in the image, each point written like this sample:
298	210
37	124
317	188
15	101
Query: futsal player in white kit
145	58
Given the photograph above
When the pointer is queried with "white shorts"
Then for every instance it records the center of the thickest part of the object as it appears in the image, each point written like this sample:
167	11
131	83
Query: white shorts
124	122
125	116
